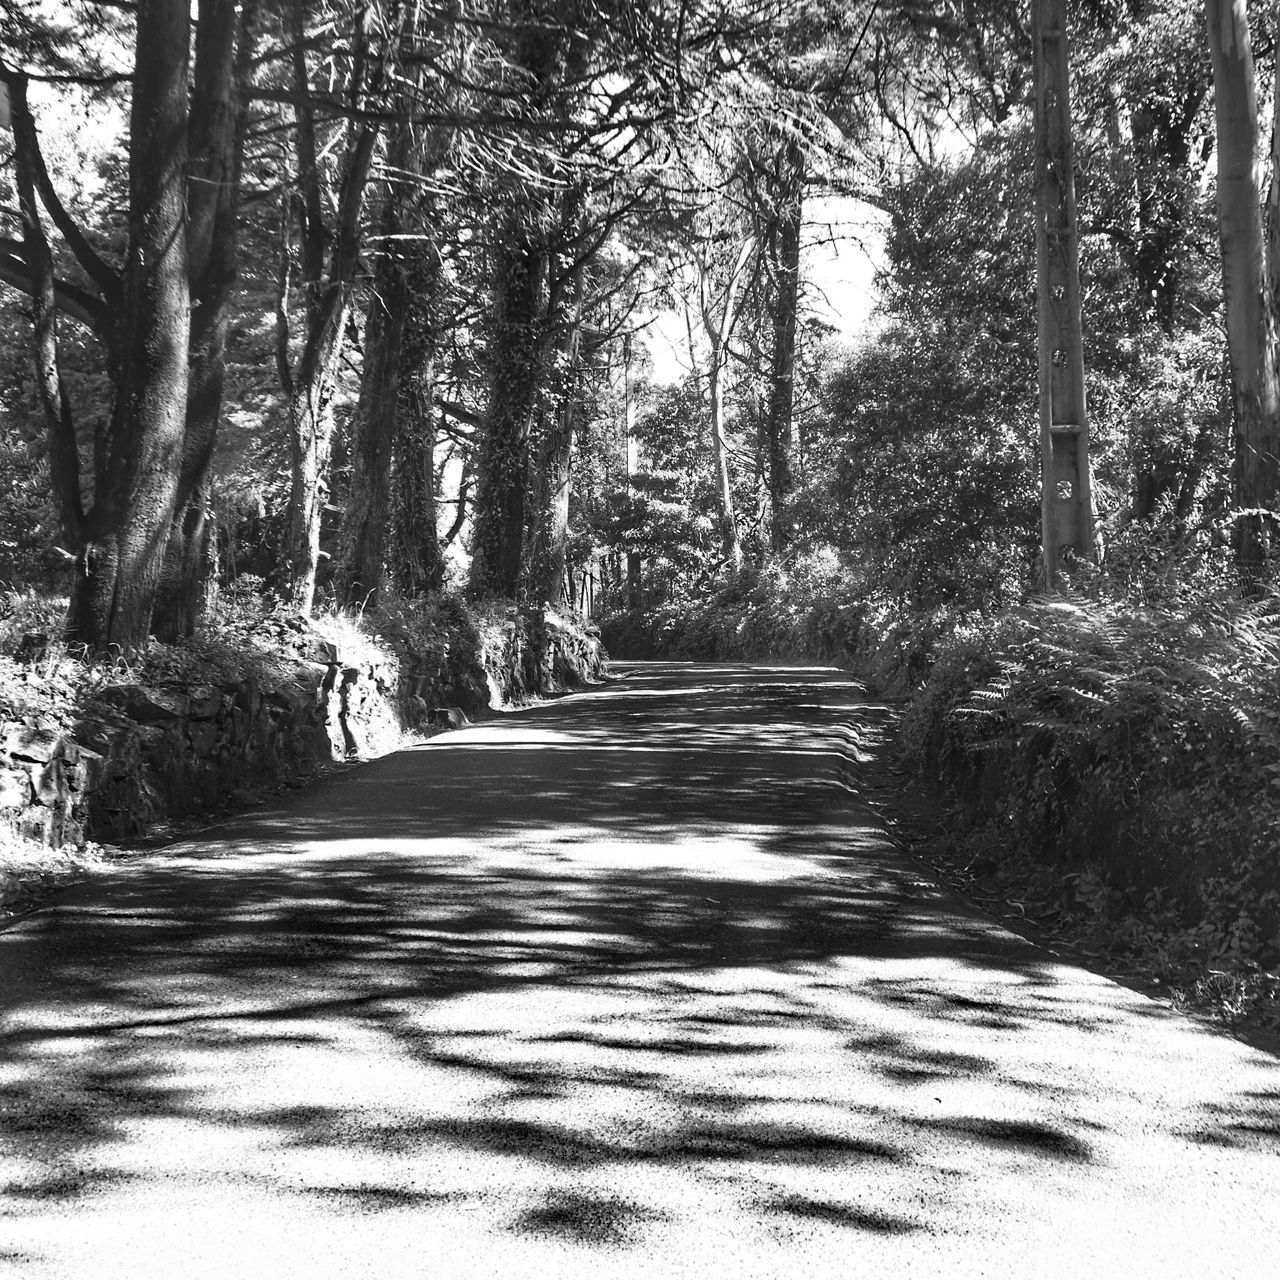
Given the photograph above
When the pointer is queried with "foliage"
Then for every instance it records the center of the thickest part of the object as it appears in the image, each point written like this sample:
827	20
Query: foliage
1135	749
441	631
937	506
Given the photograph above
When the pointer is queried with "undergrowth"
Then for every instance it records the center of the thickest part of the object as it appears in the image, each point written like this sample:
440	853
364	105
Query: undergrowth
247	636
1113	758
1135	751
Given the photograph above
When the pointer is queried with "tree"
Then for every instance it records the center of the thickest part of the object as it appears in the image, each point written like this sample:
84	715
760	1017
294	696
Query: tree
219	118
393	417
548	59
586	87
327	206
141	314
1144	78
1247	285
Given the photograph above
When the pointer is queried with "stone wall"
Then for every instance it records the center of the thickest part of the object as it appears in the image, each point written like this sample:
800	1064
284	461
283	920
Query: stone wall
137	756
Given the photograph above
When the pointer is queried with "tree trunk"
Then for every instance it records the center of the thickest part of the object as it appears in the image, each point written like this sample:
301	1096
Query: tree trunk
551	533
60	432
363	539
418	561
634	564
119	564
219	103
310	445
413	525
330	258
1251	324
730	545
785	294
364	532
551	518
719	310
518	360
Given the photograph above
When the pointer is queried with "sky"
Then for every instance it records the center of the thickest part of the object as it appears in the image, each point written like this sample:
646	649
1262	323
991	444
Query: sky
841	253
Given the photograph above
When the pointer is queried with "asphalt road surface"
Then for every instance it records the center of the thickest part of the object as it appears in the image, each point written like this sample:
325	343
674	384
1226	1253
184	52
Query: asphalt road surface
628	985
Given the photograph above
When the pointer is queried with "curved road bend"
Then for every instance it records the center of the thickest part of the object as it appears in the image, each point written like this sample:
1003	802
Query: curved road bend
630	985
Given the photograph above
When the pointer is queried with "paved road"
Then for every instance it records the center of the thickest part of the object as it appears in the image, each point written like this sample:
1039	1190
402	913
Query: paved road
628	985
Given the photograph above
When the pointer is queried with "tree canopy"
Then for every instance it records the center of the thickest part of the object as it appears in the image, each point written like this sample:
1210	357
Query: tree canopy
358	298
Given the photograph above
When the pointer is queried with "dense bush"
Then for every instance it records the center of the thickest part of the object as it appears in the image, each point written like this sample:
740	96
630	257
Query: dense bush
812	607
805	609
1135	750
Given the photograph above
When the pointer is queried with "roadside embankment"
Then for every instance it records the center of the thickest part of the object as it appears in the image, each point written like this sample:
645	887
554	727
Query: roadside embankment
116	752
1107	769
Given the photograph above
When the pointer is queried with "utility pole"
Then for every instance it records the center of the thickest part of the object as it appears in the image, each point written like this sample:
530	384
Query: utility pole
1066	491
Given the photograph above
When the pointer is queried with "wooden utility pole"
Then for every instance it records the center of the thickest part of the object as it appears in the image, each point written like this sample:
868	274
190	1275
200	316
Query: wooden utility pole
1066	492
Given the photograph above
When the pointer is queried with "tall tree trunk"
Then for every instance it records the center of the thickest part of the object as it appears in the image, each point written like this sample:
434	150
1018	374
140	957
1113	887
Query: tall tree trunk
328	279
730	545
310	419
719	310
119	564
548	557
394	419
550	532
634	565
785	255
418	561
1251	321
518	361
40	281
363	538
219	114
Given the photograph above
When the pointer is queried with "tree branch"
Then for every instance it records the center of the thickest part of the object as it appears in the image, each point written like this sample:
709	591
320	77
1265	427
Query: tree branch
73	302
24	127
64	452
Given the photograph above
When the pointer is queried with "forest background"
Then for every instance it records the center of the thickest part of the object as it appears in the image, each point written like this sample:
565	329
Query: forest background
347	309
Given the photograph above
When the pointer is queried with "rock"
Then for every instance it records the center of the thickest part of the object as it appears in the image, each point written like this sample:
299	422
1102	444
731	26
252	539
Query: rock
204	702
311	675
325	651
37	743
15	790
48	784
292	698
84	775
247	698
203	738
146	706
97	736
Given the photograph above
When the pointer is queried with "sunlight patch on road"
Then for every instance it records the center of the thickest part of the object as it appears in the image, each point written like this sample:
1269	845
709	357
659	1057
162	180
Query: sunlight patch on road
501	733
737	857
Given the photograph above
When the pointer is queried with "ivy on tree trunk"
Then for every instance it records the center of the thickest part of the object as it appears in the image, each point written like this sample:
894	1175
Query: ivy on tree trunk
518	360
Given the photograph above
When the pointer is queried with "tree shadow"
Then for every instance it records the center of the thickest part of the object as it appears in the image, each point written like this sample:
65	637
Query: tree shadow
845	1215
601	932
586	1219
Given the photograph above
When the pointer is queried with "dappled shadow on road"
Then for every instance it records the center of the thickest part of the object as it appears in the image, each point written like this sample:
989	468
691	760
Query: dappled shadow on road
645	930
